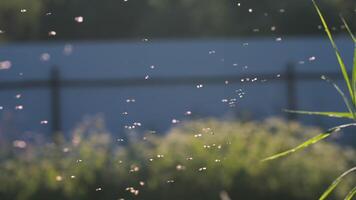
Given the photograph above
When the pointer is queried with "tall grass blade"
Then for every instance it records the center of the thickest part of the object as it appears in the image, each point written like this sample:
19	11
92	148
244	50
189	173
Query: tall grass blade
346	100
335	183
309	142
338	56
348	28
327	114
351	194
354	60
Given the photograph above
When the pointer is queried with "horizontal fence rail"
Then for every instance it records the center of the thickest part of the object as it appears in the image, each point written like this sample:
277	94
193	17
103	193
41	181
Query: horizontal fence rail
290	77
140	82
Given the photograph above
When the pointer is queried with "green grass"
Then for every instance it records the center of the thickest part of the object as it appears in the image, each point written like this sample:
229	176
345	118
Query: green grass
336	182
349	100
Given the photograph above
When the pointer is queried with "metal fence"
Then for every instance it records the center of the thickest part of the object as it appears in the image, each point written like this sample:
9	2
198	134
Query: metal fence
55	84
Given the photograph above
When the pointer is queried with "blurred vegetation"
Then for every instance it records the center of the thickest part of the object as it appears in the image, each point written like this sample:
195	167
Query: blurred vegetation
108	19
202	159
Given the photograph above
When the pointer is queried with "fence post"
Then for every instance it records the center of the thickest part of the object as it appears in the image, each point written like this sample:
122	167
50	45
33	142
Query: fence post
291	91
55	104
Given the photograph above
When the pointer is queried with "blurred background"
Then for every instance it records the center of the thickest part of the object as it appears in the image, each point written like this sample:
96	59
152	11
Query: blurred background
28	20
115	80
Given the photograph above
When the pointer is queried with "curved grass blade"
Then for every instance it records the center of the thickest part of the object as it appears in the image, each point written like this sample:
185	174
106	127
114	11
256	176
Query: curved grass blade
346	100
309	142
348	28
299	147
338	56
327	114
335	183
351	194
354	60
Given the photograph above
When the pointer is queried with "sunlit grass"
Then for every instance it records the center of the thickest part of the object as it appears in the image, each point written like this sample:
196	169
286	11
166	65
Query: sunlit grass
351	106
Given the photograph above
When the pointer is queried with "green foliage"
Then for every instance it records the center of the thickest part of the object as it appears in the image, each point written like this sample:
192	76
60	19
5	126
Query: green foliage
351	86
196	160
351	194
335	183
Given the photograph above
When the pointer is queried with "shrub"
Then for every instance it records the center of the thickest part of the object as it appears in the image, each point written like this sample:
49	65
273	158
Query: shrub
200	159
